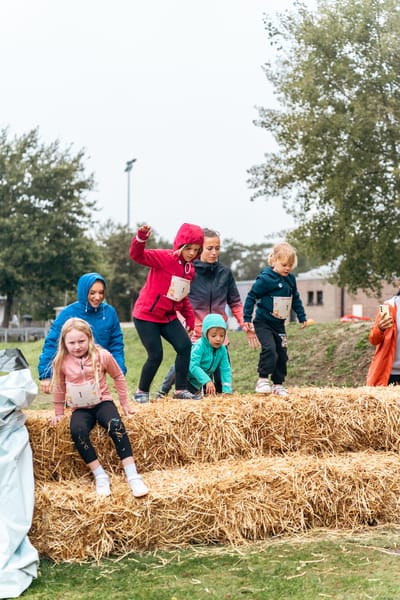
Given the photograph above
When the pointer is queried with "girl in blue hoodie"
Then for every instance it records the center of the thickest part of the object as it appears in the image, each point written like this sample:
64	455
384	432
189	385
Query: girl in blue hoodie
102	318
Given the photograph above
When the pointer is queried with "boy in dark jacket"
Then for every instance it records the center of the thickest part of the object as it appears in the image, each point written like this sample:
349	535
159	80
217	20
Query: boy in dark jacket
274	294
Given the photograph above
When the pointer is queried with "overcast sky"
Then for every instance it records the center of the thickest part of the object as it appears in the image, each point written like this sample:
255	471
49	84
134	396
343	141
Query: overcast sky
172	83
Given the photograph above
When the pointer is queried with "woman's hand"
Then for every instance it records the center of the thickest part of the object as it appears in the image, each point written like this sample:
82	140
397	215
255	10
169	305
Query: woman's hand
385	322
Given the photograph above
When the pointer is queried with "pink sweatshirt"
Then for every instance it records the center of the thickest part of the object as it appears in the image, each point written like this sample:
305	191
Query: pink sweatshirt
76	370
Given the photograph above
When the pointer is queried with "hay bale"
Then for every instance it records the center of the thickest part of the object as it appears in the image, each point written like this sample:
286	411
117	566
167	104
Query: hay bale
230	502
171	433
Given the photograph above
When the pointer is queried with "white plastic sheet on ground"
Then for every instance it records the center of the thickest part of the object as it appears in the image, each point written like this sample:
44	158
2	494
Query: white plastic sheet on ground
18	558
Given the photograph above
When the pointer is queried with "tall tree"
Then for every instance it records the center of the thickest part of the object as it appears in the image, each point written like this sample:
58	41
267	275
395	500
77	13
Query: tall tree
337	77
44	218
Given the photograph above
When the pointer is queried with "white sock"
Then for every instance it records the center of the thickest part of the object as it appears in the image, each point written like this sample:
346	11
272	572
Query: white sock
130	471
100	473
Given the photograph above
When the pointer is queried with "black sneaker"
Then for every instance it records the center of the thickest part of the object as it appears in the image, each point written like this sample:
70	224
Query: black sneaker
160	394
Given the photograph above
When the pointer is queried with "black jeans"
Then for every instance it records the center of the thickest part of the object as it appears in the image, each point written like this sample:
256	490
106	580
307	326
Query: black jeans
106	414
273	356
150	335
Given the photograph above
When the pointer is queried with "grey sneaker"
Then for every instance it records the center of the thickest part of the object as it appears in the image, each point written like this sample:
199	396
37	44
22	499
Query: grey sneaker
279	390
263	386
186	395
141	397
160	394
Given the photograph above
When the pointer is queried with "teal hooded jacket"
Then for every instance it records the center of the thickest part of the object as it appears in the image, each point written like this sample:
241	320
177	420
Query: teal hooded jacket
205	359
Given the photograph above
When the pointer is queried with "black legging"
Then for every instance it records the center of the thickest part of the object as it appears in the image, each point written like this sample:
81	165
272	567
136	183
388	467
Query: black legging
150	335
106	414
273	356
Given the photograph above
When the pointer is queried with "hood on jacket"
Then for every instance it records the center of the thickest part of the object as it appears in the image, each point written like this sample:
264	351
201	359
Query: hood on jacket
212	320
85	282
189	234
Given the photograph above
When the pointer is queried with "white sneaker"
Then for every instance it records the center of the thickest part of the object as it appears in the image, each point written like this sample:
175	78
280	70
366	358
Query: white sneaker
279	390
138	487
103	486
263	386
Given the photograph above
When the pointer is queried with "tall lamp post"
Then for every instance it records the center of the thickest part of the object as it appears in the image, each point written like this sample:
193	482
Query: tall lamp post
128	169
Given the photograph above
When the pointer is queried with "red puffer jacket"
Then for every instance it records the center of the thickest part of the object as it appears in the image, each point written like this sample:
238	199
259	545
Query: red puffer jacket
153	303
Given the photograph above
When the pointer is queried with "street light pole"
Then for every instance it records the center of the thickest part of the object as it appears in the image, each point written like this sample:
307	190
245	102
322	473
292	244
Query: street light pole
128	169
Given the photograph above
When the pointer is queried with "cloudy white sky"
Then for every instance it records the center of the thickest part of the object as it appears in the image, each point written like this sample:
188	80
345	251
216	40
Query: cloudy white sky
172	83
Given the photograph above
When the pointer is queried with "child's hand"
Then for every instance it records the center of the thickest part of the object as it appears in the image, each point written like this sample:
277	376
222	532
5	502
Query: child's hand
144	232
131	409
45	385
55	419
303	325
253	340
210	388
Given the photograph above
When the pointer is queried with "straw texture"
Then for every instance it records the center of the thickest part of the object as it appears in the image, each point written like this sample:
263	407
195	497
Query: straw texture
222	470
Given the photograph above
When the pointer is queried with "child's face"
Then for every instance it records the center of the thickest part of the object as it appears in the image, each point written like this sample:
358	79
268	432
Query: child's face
76	343
283	266
216	336
211	249
96	294
190	252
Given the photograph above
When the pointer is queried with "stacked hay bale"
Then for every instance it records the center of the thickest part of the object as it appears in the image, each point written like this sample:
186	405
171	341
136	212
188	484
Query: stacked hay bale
223	470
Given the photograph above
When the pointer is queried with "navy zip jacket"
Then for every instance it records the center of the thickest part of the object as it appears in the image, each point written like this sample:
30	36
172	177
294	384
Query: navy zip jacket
270	284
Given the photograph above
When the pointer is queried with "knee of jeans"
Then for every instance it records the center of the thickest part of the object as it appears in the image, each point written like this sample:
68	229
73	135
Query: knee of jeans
116	426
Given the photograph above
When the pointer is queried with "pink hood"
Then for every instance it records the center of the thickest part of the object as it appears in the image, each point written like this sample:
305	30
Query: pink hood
189	234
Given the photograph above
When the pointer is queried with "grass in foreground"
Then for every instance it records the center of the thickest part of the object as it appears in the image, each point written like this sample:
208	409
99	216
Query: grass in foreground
340	566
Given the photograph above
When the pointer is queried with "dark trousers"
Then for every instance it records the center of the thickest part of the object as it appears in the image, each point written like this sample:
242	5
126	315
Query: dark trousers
273	356
106	414
150	335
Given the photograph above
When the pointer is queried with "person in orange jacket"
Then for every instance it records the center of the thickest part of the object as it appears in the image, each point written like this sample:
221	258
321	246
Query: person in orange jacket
385	365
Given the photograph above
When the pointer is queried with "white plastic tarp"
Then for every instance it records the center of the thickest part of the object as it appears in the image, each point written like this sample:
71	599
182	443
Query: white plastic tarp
18	558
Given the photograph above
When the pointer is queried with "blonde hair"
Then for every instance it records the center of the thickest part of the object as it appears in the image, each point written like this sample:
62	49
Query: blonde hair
283	251
62	352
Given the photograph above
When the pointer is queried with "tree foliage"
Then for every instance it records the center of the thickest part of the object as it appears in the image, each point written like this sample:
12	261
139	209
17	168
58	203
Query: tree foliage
337	77
44	217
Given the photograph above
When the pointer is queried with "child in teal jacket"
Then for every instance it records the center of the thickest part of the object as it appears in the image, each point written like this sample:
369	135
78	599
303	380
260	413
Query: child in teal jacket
209	353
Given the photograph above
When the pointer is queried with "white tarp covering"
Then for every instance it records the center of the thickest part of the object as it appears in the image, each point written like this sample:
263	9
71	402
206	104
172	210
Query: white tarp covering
18	558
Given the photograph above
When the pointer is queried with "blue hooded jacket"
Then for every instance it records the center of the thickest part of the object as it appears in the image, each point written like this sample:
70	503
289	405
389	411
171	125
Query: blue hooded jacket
204	359
103	320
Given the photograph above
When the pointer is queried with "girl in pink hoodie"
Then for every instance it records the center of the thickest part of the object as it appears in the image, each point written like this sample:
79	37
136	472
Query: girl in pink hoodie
163	295
79	380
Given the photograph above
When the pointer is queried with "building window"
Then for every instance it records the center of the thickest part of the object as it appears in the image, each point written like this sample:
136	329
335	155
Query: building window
320	298
310	298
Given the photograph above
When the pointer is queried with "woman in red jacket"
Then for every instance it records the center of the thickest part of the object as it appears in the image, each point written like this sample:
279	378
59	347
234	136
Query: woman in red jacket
164	293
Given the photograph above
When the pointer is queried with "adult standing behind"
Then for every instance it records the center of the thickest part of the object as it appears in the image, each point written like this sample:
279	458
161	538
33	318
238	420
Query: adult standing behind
385	365
162	296
213	289
102	318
